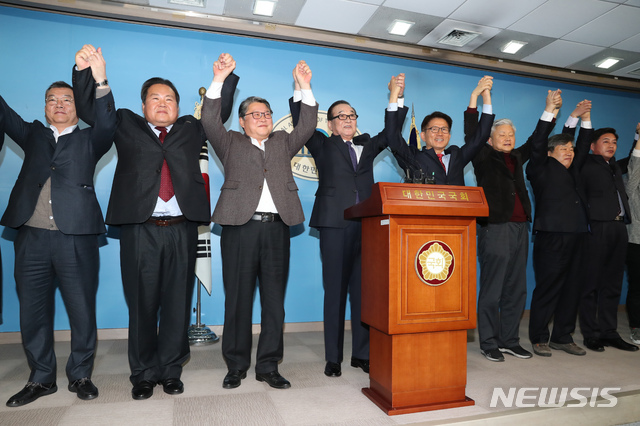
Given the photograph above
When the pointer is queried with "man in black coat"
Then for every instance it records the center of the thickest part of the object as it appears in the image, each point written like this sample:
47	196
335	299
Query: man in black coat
159	199
54	207
560	226
503	237
606	244
345	171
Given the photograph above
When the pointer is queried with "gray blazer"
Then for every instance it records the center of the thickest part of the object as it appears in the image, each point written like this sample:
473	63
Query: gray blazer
246	167
633	191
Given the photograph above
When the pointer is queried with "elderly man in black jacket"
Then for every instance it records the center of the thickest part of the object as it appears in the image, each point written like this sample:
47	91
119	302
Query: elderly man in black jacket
503	237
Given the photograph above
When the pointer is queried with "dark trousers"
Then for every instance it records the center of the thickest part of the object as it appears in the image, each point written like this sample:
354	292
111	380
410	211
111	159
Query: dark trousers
158	264
606	250
254	251
557	261
46	259
502	251
341	275
633	275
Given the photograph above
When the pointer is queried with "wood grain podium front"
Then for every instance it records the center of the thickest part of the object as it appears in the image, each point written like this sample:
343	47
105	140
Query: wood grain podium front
419	292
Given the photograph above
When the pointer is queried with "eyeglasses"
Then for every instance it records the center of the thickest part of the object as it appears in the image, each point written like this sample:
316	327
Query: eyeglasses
436	129
258	115
53	100
343	117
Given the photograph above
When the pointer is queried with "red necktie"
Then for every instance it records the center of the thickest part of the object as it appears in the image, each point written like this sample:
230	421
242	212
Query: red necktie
166	186
442	162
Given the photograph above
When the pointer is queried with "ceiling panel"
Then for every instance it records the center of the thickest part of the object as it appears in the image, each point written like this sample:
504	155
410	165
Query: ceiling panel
286	11
562	53
335	15
494	13
625	57
613	27
427	7
559	17
214	7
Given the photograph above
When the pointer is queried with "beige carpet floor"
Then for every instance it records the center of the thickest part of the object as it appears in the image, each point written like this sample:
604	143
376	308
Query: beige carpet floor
315	399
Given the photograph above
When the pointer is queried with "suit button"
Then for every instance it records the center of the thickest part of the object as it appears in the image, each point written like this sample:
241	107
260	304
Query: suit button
158	170
260	187
53	167
265	170
40	185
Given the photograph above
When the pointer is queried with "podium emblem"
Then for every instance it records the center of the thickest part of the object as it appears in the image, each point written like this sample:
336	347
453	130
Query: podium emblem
435	263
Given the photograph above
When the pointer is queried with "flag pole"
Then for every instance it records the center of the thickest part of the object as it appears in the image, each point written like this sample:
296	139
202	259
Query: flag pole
199	334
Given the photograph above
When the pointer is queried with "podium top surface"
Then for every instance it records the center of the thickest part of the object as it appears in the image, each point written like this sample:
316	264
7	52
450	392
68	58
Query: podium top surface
388	198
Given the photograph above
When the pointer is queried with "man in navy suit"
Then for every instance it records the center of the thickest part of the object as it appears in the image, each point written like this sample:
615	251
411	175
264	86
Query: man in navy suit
345	171
437	161
54	207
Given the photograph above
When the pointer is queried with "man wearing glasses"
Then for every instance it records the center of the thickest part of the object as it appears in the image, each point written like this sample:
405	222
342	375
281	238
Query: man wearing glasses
54	207
437	161
345	170
258	202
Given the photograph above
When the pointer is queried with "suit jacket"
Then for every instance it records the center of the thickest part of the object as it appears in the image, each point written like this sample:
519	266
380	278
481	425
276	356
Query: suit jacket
459	156
246	167
603	182
136	182
70	163
559	192
499	184
633	191
338	183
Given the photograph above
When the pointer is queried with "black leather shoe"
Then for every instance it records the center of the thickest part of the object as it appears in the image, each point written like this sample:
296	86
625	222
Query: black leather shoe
84	388
594	344
332	369
618	343
360	363
31	392
273	379
173	386
233	379
142	390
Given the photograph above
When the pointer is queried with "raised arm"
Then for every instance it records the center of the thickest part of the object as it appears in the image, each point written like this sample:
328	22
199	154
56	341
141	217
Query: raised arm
476	138
539	139
89	69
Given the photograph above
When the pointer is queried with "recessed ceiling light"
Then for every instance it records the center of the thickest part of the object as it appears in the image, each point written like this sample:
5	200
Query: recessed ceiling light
512	47
196	3
399	27
607	63
264	7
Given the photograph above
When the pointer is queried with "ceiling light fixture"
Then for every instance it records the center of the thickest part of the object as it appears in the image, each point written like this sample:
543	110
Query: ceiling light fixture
264	7
194	3
399	27
512	47
607	63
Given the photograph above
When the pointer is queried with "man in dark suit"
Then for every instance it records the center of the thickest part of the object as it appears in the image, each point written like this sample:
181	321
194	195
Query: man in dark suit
606	244
439	163
258	202
560	227
159	199
503	237
54	207
345	171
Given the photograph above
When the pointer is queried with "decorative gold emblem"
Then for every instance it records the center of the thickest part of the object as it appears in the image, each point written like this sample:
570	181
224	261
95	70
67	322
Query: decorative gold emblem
303	165
434	263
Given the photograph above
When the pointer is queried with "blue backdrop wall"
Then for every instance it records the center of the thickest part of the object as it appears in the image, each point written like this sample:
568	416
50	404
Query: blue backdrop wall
38	48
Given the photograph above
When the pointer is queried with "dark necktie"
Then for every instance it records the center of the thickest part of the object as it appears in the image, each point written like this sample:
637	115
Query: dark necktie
442	162
166	186
354	163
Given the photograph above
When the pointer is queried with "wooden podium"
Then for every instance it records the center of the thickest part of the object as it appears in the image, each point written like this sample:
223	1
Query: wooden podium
419	292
